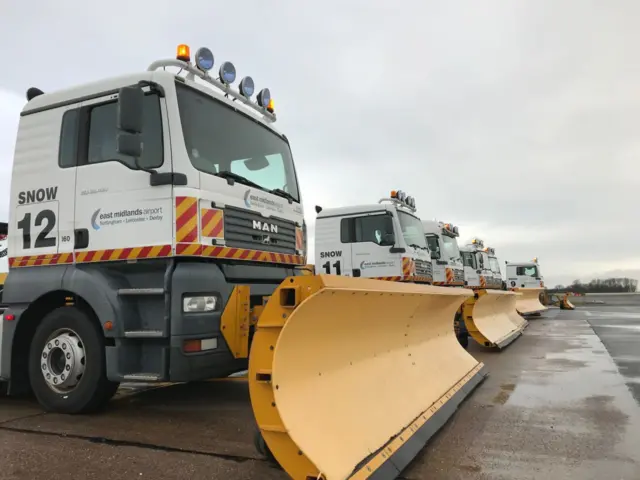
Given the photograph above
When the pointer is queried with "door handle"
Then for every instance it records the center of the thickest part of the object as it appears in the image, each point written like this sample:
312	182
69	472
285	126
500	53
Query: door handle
80	238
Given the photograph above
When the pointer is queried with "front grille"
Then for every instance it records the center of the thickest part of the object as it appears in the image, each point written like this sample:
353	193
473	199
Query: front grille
424	269
239	231
458	276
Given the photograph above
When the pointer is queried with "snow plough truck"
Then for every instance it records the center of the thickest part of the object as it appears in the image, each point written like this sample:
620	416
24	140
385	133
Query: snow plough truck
156	234
447	265
384	241
526	279
490	315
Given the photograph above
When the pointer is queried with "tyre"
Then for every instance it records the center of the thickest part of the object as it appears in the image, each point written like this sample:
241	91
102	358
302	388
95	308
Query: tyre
464	340
67	366
261	446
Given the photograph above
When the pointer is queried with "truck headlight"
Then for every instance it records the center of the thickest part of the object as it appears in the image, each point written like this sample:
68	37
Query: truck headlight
204	303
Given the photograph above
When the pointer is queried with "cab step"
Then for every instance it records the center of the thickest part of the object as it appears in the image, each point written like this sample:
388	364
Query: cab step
141	377
127	292
144	334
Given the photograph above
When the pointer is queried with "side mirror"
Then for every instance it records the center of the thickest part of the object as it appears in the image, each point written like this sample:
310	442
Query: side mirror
130	121
388	239
130	109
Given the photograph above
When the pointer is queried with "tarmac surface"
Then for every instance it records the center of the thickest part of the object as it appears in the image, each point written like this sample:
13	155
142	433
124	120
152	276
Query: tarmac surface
561	402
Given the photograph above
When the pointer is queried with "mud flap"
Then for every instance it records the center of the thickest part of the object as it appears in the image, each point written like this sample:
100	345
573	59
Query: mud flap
488	317
372	363
529	302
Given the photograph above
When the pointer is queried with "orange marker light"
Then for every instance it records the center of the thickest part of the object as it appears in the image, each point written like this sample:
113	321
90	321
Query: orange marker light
394	194
271	105
183	53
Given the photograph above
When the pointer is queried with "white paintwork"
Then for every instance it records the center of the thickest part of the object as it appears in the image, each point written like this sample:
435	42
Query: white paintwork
448	254
524	275
77	194
373	260
90	196
483	271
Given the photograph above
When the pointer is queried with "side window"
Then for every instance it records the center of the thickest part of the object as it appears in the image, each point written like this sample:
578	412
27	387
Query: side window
526	271
468	260
434	244
371	228
67	155
103	135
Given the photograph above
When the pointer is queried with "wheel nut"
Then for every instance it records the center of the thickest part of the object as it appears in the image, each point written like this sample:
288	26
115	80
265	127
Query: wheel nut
55	380
57	342
44	354
68	356
67	368
64	346
62	376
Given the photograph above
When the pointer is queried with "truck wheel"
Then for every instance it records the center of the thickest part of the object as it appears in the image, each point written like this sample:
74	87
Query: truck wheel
261	446
67	367
464	340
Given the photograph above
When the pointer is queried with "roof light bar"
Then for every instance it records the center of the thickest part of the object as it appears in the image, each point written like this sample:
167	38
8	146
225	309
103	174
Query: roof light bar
204	62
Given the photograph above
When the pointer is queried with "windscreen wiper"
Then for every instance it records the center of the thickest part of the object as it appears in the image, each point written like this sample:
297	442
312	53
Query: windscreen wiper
282	193
414	245
237	178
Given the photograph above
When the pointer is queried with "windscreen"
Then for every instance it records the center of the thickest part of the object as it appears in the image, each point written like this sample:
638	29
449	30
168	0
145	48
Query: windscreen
495	265
219	139
469	260
450	247
412	230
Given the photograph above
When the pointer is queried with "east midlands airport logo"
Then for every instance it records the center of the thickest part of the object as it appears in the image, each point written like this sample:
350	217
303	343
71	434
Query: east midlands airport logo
260	201
94	219
100	219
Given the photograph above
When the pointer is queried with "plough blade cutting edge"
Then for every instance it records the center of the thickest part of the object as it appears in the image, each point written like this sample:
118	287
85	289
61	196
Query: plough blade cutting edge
529	302
491	318
350	377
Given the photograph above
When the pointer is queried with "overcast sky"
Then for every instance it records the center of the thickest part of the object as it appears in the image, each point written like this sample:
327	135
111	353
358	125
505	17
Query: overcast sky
519	121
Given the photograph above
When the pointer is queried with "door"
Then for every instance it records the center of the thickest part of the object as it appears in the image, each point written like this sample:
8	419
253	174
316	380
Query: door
43	202
117	209
370	246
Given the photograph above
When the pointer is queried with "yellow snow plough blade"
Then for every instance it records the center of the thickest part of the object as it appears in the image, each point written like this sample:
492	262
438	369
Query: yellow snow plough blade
529	302
565	304
489	318
511	309
350	377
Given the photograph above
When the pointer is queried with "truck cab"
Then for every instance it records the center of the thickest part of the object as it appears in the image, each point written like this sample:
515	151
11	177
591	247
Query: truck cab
524	275
478	272
446	259
496	272
137	205
383	240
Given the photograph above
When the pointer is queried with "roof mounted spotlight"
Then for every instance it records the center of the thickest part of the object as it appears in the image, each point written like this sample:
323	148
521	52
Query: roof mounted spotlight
204	59
227	73
247	87
264	97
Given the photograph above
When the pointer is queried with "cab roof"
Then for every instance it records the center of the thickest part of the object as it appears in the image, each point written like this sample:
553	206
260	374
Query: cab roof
84	91
99	88
356	209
